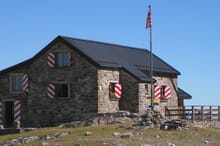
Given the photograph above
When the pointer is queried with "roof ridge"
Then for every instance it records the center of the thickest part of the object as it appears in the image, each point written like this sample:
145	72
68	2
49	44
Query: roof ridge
106	43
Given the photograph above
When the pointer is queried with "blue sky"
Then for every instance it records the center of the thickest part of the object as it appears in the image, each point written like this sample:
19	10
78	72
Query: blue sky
185	33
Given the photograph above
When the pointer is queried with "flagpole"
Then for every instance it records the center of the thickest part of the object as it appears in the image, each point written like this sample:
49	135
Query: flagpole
151	63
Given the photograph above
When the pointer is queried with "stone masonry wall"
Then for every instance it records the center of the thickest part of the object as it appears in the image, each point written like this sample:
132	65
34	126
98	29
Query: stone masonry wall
173	101
105	77
7	96
144	101
88	90
37	108
81	78
144	98
130	95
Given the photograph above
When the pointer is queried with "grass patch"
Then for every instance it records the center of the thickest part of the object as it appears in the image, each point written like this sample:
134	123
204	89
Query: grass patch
102	135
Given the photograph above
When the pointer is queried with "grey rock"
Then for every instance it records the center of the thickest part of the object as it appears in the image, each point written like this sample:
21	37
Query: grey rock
139	133
59	144
79	144
117	144
116	134
146	144
45	143
29	139
179	128
48	137
62	134
127	135
148	122
171	144
26	140
206	142
88	133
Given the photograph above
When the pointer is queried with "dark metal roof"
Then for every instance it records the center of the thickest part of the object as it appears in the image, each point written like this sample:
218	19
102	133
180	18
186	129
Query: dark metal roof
183	94
131	59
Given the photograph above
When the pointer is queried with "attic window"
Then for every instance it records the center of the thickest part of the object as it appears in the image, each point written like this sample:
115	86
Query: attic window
16	83
61	59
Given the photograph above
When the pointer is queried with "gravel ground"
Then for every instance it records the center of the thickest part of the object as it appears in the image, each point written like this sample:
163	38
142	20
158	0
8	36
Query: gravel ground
207	124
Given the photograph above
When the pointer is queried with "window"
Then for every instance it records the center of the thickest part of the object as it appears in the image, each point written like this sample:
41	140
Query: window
59	59
61	90
115	90
146	90
165	92
162	91
62	59
16	83
112	91
57	90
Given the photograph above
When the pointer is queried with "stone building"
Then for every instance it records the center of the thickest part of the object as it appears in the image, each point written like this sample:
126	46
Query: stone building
72	79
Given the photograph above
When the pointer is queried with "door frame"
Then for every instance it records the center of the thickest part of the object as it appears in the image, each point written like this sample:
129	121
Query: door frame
4	110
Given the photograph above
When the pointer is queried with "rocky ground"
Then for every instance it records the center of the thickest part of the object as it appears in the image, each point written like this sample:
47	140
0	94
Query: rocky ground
148	120
207	124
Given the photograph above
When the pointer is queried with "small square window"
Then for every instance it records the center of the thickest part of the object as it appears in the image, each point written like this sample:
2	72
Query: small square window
61	90
165	92
147	90
16	83
62	59
115	91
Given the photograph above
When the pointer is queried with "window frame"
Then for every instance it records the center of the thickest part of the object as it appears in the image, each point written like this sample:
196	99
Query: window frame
11	82
162	93
109	96
146	89
57	56
61	83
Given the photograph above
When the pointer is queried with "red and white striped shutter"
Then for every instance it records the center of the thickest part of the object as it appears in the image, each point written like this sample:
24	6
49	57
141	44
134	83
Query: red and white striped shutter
69	60
51	91
25	83
167	92
157	91
51	59
118	90
1	112
17	110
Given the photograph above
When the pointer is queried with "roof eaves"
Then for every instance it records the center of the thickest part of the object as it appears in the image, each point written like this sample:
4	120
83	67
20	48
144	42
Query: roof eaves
16	66
178	73
175	72
183	94
139	78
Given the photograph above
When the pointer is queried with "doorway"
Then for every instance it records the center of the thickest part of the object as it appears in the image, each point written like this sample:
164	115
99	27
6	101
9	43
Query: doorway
9	114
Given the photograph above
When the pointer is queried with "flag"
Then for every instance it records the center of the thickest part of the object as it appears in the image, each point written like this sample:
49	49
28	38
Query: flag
149	22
